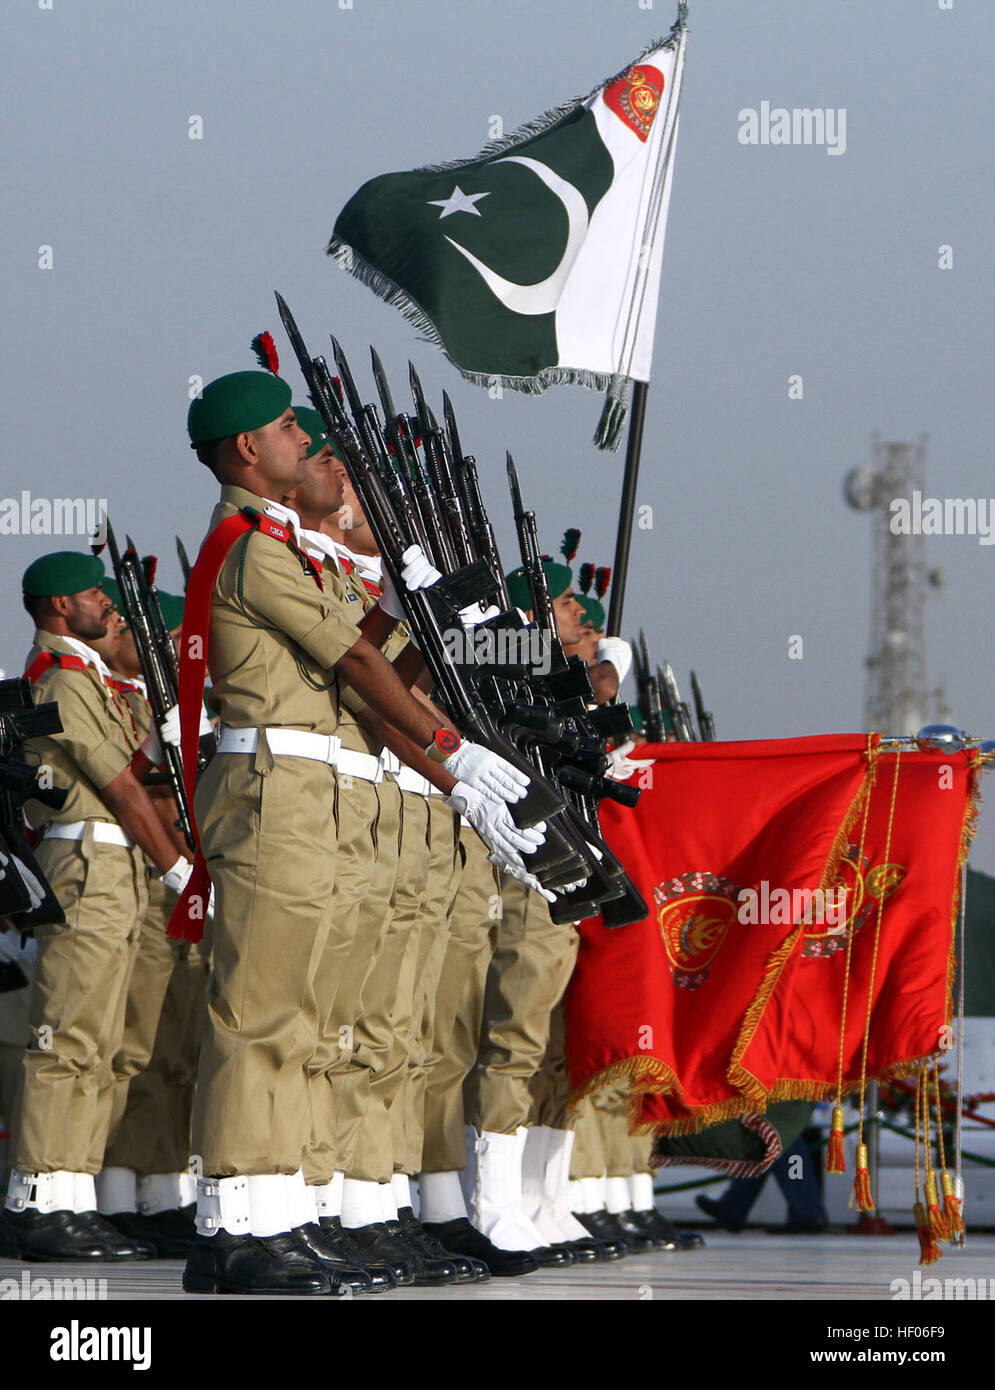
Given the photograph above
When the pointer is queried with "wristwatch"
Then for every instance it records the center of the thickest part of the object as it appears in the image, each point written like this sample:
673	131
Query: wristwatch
443	745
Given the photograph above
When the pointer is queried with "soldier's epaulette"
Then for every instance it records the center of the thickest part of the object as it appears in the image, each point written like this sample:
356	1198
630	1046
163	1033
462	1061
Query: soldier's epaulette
278	532
44	661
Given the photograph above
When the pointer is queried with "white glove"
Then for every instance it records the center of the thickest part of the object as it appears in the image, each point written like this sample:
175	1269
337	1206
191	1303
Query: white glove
618	652
417	573
35	890
492	822
473	615
178	876
517	869
169	731
206	727
622	766
487	772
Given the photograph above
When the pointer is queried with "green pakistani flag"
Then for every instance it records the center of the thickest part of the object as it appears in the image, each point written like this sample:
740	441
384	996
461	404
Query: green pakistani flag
538	261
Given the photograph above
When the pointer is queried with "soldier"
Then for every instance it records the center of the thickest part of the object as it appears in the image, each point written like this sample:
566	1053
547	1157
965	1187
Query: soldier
92	854
279	639
142	1186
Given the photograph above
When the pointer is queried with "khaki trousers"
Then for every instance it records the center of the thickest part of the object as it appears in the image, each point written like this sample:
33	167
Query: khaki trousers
386	1002
603	1143
340	1076
413	1034
156	1067
264	824
528	974
459	1005
78	1005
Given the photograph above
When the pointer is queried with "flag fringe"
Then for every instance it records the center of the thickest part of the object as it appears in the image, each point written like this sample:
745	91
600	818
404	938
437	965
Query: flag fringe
539	125
391	293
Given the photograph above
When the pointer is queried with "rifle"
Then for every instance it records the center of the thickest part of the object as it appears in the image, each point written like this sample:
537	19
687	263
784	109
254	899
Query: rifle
425	607
676	709
26	897
184	562
706	723
157	656
649	692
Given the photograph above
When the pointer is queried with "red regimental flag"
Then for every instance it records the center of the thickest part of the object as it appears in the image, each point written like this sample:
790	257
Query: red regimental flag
675	1002
901	872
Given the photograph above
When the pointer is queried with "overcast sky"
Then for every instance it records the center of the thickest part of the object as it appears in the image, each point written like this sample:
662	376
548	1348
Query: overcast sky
779	261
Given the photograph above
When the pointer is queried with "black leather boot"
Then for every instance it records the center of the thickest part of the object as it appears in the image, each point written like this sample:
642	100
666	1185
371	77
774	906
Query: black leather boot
460	1237
655	1223
468	1270
50	1235
281	1264
170	1233
604	1225
376	1243
119	1247
329	1249
633	1230
430	1270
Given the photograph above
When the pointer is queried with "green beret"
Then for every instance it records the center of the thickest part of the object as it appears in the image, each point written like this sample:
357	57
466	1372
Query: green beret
65	572
235	403
172	609
312	423
558	577
593	610
171	604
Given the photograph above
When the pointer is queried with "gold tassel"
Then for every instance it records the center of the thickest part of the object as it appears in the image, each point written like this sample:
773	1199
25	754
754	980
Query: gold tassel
937	1221
862	1182
929	1251
835	1157
952	1212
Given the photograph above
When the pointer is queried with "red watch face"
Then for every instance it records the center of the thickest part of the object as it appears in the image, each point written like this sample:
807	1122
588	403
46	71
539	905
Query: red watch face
446	741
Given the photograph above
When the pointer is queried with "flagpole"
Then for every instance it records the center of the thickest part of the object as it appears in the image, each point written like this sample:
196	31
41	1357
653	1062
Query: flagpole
633	448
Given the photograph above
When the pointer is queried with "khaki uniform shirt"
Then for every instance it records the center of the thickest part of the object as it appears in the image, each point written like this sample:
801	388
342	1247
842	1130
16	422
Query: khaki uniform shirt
99	737
275	636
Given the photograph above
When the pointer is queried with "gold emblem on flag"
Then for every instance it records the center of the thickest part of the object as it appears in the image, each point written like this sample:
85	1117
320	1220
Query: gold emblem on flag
694	914
635	97
865	887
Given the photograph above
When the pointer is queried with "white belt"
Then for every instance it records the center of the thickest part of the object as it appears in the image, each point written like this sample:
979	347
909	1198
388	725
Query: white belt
104	832
407	779
298	743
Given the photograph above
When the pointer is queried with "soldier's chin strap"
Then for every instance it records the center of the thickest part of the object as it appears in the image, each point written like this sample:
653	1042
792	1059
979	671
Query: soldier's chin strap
187	920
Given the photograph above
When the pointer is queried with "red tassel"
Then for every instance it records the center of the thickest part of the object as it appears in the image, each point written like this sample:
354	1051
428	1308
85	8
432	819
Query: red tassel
862	1182
835	1157
929	1251
952	1211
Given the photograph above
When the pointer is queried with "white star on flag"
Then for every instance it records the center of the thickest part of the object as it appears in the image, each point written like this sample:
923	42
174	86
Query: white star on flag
458	201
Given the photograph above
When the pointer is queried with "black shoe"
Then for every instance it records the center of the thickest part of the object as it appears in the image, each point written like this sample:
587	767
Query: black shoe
633	1227
461	1238
333	1230
118	1246
430	1270
555	1256
717	1212
468	1270
657	1224
605	1225
281	1264
170	1233
374	1242
588	1250
49	1235
329	1247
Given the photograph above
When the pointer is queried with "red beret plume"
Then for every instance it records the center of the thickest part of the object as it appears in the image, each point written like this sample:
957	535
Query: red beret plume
586	578
602	579
266	354
571	540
